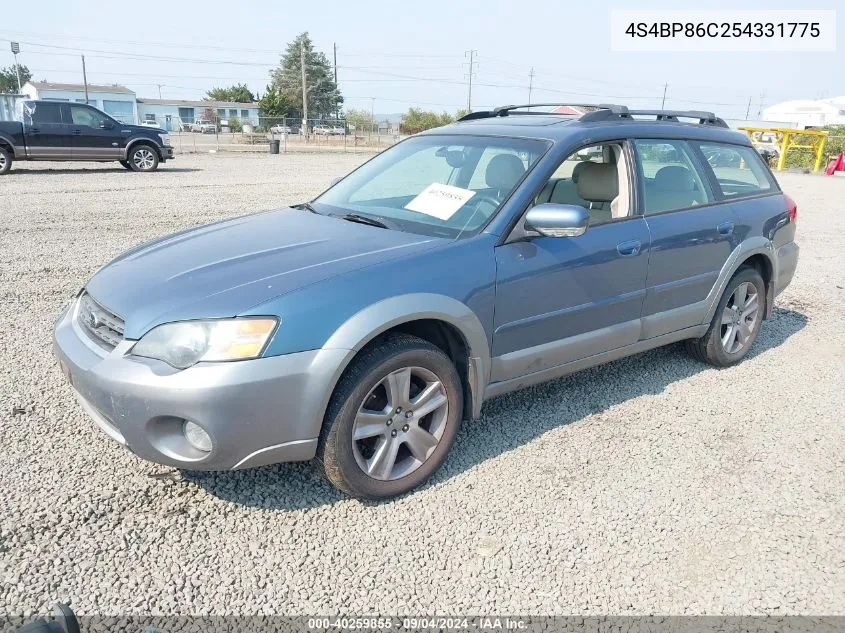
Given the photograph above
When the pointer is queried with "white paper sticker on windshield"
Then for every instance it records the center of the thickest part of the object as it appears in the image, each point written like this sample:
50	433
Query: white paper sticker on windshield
440	201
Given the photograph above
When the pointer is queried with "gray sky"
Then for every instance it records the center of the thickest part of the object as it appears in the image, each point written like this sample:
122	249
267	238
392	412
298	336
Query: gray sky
409	53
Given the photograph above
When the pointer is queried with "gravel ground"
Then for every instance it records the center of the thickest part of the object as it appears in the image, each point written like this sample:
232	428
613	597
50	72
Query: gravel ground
650	485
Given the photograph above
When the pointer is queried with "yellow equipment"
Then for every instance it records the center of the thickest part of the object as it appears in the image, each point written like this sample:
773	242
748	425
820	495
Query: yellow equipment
786	139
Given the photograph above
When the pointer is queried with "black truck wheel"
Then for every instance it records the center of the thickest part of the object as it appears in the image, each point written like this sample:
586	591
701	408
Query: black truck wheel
5	161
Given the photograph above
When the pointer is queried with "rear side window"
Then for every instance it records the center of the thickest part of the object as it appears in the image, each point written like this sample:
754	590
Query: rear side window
669	175
739	170
47	113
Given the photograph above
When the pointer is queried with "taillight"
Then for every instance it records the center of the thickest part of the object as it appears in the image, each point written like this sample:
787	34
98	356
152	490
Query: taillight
791	208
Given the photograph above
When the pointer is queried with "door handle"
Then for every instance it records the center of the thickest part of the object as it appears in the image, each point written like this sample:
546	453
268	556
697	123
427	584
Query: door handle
725	228
34	130
629	248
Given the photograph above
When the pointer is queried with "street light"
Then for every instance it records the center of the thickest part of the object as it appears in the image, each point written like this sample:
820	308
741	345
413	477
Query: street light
16	48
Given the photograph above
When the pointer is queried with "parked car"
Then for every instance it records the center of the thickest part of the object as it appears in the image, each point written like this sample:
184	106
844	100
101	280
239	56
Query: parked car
204	126
337	130
280	129
61	131
362	327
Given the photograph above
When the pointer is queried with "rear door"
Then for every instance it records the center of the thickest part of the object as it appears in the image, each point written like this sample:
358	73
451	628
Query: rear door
692	234
47	128
95	136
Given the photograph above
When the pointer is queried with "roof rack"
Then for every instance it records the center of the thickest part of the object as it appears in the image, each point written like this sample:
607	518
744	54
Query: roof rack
600	112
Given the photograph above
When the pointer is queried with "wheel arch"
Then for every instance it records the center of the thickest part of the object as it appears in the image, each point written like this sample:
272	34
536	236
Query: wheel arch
757	252
141	140
443	321
7	144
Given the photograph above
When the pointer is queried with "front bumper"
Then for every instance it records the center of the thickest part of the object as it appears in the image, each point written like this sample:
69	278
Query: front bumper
166	152
257	412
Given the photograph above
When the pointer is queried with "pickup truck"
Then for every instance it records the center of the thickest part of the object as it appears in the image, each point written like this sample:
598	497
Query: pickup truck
63	131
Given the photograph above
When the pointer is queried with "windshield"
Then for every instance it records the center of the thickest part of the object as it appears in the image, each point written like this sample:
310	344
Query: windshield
437	185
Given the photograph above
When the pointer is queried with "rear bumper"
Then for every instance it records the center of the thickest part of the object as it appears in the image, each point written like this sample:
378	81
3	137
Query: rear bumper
787	262
257	412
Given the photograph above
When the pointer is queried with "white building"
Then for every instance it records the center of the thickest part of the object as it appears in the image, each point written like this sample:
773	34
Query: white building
170	113
122	103
808	113
118	101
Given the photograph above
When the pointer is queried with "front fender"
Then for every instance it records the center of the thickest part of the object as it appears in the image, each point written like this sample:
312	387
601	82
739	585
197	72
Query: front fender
368	323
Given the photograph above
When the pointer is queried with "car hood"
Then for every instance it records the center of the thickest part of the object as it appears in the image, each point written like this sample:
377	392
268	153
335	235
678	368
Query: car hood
223	269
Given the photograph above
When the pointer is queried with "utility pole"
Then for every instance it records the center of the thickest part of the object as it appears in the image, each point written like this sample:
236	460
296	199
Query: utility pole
159	90
760	108
471	54
372	115
85	78
663	103
16	48
304	89
530	84
748	109
336	105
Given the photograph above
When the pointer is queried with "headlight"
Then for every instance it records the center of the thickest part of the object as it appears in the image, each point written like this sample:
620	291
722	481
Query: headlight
188	342
165	139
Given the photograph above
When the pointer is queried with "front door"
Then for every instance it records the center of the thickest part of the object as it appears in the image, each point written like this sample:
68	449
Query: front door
692	235
47	126
95	136
560	299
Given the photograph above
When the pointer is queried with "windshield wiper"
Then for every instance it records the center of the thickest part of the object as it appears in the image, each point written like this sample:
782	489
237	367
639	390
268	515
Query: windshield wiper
306	206
363	219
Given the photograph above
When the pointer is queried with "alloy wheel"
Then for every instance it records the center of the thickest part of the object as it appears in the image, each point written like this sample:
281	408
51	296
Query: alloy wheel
143	159
2	162
739	318
400	423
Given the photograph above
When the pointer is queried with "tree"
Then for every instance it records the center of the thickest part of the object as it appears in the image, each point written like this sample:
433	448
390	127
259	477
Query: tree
9	79
416	120
239	93
361	119
324	98
275	104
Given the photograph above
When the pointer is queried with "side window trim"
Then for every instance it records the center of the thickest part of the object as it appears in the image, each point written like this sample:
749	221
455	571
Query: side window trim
774	186
703	174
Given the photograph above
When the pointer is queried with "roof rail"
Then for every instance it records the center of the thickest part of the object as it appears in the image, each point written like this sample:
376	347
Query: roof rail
511	109
704	118
600	112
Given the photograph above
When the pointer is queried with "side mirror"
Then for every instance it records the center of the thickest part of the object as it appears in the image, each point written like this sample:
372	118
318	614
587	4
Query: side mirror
106	125
557	220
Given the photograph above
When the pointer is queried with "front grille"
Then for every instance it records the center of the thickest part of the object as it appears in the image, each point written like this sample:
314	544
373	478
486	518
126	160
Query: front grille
101	326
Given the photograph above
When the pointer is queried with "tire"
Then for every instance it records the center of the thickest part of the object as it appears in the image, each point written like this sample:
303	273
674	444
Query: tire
143	157
417	445
126	164
726	342
5	161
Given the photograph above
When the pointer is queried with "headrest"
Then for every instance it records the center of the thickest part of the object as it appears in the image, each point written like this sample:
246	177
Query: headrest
503	172
674	178
576	171
597	182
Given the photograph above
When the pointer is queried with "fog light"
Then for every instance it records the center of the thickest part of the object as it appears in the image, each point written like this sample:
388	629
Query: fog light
196	436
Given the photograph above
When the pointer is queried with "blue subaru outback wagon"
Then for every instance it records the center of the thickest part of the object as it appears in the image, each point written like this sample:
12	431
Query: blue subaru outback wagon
361	328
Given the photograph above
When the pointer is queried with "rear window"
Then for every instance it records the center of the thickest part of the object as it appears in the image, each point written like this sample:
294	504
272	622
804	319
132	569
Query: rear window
739	170
46	112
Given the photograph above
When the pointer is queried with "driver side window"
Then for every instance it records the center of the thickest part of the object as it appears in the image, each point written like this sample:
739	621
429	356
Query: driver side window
86	116
594	177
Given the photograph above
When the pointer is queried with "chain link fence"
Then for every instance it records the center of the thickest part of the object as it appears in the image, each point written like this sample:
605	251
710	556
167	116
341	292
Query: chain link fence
255	133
